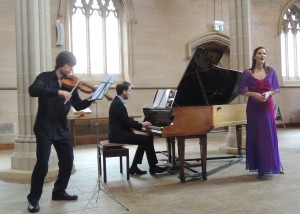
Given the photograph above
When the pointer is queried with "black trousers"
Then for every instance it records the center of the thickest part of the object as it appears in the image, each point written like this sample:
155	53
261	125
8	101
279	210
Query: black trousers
145	144
64	150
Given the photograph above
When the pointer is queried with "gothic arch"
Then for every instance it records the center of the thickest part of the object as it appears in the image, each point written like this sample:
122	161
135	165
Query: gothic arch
289	4
214	37
129	11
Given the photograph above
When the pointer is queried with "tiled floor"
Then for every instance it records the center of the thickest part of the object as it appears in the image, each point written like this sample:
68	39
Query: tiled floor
232	190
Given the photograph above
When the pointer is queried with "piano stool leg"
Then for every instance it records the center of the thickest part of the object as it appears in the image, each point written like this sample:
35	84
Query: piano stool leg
127	164
104	168
121	164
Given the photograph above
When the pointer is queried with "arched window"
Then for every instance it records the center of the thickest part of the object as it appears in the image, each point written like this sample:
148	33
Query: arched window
96	37
290	45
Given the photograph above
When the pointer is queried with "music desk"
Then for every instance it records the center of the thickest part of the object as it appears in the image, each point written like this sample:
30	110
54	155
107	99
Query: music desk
94	123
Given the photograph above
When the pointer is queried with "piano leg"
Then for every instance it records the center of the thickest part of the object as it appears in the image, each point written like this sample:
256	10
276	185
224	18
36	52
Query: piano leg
171	154
174	165
169	149
181	152
203	151
239	139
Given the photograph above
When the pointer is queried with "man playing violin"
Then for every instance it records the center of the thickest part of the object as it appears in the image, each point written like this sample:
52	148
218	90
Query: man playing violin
51	128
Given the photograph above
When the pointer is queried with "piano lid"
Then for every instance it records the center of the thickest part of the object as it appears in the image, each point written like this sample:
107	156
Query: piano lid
205	83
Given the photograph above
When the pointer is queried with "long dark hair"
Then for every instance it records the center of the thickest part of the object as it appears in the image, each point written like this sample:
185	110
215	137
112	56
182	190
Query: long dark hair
254	61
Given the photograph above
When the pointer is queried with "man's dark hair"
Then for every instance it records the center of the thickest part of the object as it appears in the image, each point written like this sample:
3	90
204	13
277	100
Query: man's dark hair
121	87
65	57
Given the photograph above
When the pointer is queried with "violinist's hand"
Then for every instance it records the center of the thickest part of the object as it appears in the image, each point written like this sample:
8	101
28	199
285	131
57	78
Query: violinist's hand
65	95
146	123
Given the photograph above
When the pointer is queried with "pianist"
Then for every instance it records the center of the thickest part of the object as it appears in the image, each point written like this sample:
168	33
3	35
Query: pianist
120	131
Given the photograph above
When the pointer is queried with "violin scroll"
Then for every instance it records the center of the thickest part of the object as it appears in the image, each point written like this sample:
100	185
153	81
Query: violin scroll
109	98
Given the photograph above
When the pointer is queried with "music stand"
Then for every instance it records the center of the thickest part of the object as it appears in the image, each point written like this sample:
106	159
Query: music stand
98	95
103	87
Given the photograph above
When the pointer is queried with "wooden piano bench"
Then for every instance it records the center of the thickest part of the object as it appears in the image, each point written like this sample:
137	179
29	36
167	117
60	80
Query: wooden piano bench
108	149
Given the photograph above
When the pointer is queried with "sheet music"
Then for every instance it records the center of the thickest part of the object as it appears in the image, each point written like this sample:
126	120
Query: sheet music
158	98
103	87
164	98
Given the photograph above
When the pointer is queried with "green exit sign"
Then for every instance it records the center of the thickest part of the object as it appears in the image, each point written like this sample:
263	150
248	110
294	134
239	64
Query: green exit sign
219	26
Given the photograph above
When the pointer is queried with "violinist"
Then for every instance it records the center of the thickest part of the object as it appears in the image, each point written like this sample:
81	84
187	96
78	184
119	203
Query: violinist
51	128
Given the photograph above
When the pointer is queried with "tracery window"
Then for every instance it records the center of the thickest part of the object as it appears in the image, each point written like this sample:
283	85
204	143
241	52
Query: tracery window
96	37
290	45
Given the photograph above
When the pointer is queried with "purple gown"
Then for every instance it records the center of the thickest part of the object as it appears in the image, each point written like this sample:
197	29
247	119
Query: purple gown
262	153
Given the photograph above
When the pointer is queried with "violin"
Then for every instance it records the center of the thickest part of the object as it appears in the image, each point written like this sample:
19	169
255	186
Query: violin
71	81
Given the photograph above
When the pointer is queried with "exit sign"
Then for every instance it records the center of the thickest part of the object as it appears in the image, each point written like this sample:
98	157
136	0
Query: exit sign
219	26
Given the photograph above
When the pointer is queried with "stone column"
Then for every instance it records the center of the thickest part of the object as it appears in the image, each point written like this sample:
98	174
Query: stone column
33	37
240	33
240	54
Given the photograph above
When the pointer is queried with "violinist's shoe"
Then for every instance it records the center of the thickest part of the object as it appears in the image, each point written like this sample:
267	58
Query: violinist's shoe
33	207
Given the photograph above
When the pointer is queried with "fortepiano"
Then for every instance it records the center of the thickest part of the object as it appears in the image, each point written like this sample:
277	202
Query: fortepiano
201	103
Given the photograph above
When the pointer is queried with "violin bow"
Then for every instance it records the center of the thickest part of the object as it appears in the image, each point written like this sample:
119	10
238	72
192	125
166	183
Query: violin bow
78	81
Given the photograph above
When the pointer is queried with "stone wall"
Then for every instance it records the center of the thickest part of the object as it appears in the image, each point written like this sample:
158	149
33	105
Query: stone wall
8	74
160	39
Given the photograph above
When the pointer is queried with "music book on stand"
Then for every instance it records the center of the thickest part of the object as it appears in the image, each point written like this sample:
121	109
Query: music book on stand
164	98
103	87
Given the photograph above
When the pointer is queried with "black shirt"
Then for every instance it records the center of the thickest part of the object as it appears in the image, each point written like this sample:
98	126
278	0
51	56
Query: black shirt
51	119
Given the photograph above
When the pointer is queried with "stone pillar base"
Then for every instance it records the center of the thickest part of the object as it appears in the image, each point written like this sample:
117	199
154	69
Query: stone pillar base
23	161
24	156
24	176
230	150
230	146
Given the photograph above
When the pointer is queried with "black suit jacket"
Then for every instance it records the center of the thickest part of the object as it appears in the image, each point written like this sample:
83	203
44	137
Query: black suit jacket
120	125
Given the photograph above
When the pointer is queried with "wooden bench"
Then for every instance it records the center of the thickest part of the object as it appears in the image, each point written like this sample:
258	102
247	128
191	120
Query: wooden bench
108	149
88	130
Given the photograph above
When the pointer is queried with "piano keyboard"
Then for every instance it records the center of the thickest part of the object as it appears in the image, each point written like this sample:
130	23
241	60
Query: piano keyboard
156	130
154	127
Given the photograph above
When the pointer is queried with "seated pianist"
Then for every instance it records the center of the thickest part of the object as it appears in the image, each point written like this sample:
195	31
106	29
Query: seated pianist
120	131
